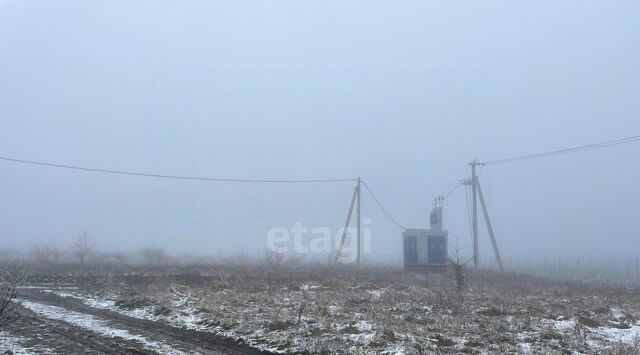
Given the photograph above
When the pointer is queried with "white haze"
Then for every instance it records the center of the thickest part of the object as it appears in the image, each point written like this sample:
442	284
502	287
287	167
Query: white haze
403	94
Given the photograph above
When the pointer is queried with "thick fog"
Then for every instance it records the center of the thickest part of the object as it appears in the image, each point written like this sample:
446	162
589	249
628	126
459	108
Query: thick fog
403	94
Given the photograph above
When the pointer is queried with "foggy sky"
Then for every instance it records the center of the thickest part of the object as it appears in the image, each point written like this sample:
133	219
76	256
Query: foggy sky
402	93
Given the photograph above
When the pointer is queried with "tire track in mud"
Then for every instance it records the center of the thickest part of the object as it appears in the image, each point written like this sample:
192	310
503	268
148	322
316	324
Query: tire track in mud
48	336
56	322
98	326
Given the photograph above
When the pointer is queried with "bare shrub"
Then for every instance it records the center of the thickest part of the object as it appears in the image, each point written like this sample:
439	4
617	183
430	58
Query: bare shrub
82	247
459	273
276	260
154	256
10	284
301	308
45	254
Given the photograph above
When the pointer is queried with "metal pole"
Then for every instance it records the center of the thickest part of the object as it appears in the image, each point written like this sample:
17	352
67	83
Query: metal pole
476	261
359	224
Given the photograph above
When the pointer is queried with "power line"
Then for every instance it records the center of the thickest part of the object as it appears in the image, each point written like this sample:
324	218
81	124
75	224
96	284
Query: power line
451	189
566	151
179	177
182	177
382	207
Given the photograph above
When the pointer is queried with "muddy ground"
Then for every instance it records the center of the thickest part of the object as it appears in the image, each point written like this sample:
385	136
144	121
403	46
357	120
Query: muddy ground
50	324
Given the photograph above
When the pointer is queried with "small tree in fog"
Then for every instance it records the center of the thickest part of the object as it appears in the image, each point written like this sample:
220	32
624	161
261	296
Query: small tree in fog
82	247
10	284
275	259
154	256
459	272
45	254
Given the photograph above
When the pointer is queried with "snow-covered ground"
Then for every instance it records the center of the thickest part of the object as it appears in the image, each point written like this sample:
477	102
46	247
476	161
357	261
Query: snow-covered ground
186	313
185	317
96	325
628	336
382	313
13	344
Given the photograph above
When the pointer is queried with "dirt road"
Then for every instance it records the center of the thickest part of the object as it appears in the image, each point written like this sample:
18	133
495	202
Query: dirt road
57	325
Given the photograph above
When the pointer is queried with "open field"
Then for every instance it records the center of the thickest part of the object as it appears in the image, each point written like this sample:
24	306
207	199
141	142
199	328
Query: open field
316	309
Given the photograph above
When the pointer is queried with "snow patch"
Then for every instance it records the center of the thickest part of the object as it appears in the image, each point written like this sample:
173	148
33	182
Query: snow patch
96	325
15	345
12	343
308	287
376	294
186	317
565	325
623	335
525	348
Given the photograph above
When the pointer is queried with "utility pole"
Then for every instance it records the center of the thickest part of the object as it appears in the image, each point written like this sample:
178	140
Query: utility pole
359	224
474	214
477	193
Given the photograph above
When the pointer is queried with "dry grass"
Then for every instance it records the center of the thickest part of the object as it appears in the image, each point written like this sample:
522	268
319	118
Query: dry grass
321	309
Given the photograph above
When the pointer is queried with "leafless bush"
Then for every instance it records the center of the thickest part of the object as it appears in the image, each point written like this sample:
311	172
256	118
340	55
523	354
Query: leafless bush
154	256
301	308
45	254
459	272
275	259
82	247
10	284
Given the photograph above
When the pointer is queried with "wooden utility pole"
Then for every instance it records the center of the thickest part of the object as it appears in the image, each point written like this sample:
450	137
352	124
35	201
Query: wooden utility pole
359	226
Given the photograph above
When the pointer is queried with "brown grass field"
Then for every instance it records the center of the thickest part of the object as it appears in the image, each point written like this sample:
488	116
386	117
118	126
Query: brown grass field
368	310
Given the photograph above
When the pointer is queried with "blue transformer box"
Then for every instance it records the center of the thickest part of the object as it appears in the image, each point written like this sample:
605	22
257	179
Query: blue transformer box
427	249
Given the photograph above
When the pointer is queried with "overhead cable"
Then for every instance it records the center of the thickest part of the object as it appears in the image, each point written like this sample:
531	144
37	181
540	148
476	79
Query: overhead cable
164	176
395	221
618	141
